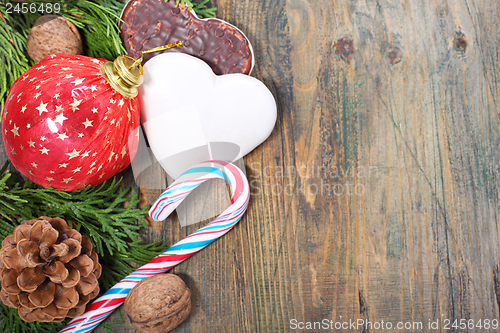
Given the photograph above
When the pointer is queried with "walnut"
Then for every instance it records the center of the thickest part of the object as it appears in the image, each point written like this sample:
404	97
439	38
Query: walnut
158	304
52	34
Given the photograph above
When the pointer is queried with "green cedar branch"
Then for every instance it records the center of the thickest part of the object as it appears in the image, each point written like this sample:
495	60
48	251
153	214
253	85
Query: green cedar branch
200	8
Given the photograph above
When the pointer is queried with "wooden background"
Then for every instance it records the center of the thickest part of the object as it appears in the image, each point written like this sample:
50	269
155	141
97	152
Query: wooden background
377	195
398	102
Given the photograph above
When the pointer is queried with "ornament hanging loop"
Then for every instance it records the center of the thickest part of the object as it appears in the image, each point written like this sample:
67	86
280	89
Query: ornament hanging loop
125	73
138	61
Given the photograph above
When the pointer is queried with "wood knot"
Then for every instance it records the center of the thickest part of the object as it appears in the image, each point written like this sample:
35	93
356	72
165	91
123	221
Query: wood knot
394	56
345	48
460	42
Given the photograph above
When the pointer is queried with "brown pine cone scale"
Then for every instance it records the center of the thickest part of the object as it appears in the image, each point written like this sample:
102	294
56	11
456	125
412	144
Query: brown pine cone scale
48	271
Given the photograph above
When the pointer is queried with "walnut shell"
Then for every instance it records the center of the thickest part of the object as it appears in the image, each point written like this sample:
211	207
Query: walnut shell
158	304
52	34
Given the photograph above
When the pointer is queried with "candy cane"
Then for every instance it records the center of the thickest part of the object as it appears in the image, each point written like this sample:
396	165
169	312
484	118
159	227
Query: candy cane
164	205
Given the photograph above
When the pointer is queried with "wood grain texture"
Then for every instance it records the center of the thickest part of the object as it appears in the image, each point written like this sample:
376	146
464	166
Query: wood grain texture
377	195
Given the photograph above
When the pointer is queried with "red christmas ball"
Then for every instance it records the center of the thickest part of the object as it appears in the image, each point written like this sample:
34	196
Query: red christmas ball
64	126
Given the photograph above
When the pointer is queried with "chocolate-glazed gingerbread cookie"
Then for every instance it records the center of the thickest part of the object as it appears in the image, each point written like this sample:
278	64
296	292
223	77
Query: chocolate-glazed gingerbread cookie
151	23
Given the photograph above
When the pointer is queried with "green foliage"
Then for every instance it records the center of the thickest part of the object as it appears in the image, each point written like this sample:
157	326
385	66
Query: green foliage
106	326
14	60
107	214
99	25
200	8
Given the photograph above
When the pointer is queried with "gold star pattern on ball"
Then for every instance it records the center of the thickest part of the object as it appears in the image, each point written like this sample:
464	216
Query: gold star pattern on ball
65	127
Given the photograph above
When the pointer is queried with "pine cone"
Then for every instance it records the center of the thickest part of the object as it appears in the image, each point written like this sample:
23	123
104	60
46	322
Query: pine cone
48	271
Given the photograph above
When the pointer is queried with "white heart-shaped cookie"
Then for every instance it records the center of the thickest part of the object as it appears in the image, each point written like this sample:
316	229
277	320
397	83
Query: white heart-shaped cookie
190	115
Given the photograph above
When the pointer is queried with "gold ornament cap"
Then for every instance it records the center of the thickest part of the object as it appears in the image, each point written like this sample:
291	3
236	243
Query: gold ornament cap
122	77
125	73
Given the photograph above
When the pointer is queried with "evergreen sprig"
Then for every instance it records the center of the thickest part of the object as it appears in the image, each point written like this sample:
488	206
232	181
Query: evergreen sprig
201	9
107	214
98	21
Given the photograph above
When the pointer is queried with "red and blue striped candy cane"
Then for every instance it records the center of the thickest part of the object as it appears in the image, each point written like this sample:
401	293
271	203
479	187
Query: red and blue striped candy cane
163	207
